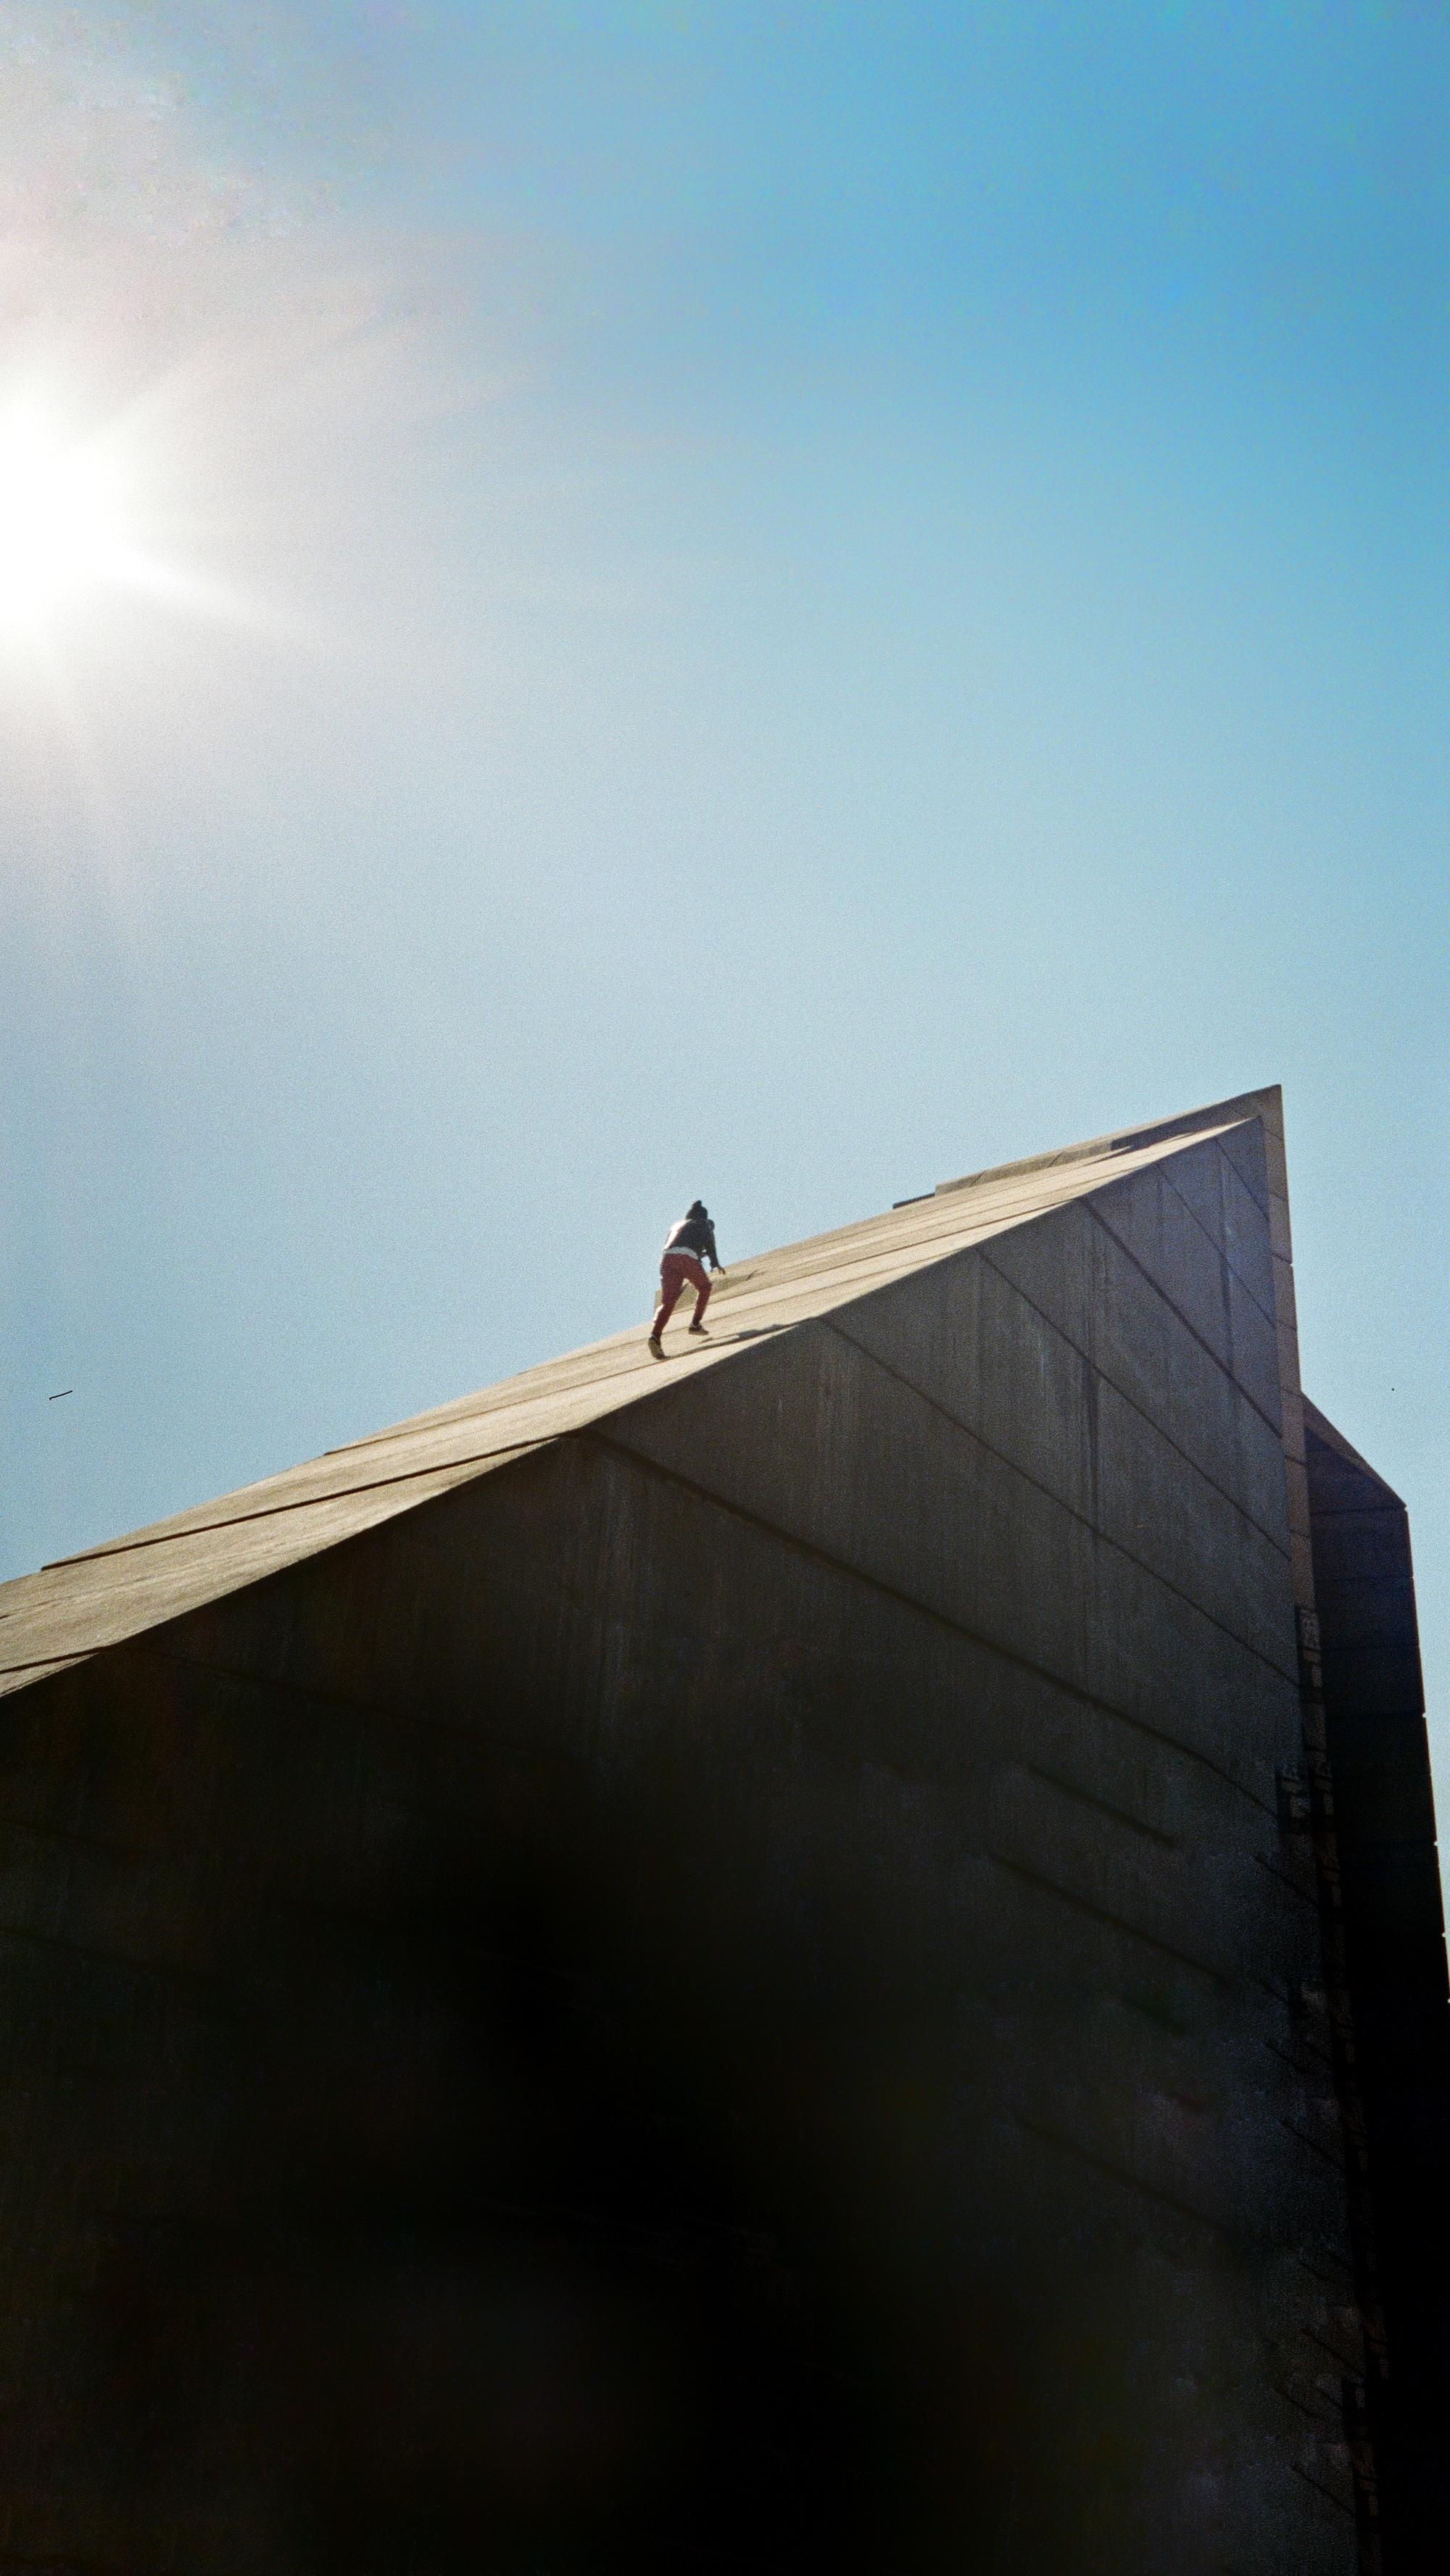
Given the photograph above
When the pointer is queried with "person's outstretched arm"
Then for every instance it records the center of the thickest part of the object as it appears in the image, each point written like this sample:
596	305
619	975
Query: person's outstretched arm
715	1261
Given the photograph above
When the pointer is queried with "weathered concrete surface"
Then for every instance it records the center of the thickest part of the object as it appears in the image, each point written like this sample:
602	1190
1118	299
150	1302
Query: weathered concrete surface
727	1992
131	1584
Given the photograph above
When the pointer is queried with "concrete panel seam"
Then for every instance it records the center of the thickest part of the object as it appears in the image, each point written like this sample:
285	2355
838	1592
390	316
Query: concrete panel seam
1341	2166
1135	2182
1302	1893
1327	2492
1191	1212
984	1255
305	1502
1328	2423
829	1324
1302	2072
1194	1335
1115	1922
49	1663
1219	1250
1090	1798
1071	1690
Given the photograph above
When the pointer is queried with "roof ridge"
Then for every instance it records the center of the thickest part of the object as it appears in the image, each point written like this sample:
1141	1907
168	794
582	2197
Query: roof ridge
141	1580
1267	1102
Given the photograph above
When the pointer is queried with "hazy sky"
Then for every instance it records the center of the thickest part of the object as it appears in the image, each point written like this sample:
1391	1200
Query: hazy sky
776	601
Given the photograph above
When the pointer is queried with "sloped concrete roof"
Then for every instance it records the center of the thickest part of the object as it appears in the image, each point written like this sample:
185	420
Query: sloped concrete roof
113	1592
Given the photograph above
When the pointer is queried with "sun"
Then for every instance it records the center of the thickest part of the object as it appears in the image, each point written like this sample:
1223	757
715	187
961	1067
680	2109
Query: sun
63	519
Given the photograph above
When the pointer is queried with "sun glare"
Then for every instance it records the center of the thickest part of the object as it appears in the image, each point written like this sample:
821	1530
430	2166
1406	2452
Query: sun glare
63	520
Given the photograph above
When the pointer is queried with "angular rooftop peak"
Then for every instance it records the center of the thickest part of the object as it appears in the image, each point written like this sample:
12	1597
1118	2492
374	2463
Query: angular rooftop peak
1267	1104
126	1586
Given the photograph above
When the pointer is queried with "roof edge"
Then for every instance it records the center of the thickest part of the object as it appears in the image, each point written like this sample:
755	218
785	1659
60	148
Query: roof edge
1266	1103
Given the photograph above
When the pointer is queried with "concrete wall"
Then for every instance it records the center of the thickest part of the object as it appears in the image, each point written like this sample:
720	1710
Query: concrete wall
1394	1940
732	1996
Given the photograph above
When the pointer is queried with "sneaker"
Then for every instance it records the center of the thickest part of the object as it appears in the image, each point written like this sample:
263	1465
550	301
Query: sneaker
699	1328
657	1346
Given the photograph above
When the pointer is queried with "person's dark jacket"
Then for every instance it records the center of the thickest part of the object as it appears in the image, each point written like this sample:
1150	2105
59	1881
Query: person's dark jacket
695	1234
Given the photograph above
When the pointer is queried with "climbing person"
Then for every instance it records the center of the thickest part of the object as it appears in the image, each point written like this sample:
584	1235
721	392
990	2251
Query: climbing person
689	1245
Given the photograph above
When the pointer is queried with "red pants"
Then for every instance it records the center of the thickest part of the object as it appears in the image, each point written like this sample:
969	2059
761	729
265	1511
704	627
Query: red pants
676	1270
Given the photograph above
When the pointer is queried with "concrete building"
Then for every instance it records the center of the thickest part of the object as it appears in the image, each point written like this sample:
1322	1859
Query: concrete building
826	1956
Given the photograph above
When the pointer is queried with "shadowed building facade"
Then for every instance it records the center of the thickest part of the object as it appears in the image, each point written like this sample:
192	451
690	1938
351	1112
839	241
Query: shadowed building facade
824	1956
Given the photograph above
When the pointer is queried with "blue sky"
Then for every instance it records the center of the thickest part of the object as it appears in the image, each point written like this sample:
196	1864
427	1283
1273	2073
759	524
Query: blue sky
783	602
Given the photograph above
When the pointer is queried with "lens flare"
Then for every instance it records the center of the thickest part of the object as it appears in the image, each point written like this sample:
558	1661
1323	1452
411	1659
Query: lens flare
63	521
